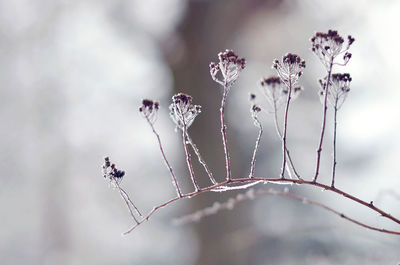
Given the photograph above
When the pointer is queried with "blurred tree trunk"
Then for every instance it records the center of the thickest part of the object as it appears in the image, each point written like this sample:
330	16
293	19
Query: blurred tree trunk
207	29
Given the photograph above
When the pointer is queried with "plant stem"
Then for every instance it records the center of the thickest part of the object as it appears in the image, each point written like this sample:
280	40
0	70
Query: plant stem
202	162
334	145
278	131
253	160
188	157
323	121
178	191
223	132
285	129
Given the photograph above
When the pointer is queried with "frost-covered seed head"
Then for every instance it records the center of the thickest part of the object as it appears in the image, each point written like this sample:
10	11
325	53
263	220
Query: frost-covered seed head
290	68
338	89
230	66
182	111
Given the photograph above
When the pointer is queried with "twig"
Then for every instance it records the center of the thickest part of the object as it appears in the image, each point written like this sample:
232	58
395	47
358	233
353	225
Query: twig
285	129
250	194
223	132
188	156
260	132
178	191
278	131
334	144
201	160
369	205
128	198
323	122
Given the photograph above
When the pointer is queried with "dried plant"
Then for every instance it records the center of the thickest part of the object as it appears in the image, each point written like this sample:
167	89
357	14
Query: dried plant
279	91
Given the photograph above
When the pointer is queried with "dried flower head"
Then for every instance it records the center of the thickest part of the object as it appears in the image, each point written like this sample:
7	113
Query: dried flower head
338	89
182	111
327	46
276	92
149	110
111	172
230	66
290	69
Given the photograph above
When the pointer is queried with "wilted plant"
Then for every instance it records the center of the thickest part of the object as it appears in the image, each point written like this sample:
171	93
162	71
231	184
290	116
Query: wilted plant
279	90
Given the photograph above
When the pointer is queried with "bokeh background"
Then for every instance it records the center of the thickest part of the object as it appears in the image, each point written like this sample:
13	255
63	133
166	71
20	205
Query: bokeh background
73	73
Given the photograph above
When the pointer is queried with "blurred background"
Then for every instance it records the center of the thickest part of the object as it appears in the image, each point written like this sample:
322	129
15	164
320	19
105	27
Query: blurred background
72	76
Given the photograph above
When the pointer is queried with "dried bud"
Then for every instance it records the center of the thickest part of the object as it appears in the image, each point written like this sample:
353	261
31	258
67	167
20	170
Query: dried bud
149	110
111	172
230	65
182	111
337	90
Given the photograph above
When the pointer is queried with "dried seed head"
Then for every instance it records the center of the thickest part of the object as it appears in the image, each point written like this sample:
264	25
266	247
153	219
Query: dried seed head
111	173
230	66
338	89
276	91
290	68
182	111
149	110
329	45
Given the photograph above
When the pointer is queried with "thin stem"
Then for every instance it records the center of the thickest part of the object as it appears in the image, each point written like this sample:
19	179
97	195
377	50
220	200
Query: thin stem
278	131
323	121
201	160
223	132
369	205
188	157
126	202
178	191
253	160
285	129
128	198
334	145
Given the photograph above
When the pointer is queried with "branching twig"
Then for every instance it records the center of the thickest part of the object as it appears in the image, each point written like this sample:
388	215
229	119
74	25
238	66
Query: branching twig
250	194
272	180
